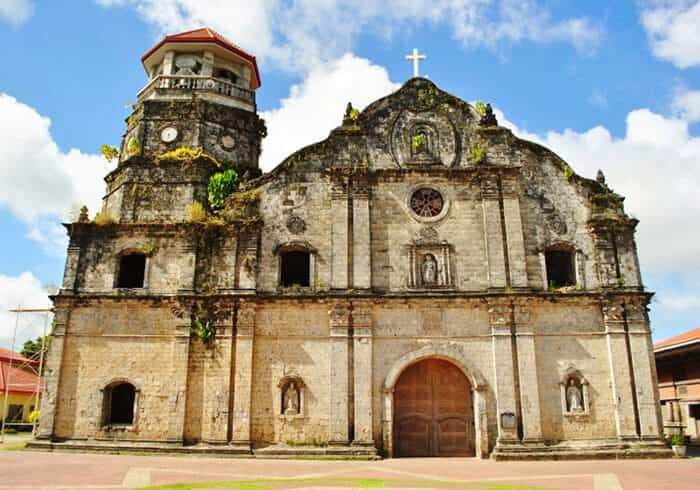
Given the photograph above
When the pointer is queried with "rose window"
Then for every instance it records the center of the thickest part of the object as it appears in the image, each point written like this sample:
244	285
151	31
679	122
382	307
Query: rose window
427	203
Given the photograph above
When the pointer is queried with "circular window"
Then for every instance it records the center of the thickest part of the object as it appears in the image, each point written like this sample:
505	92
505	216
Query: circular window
427	203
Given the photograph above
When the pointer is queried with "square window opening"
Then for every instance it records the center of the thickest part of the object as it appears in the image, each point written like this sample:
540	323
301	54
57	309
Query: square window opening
296	269
132	271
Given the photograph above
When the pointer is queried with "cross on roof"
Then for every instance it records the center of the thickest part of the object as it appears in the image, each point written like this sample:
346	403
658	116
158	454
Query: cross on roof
416	58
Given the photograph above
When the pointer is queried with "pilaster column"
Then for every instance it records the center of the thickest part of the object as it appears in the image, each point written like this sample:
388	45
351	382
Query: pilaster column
188	250
644	365
181	349
620	375
243	378
338	421
503	362
514	233
339	235
527	371
361	251
70	272
217	385
362	370
493	234
52	374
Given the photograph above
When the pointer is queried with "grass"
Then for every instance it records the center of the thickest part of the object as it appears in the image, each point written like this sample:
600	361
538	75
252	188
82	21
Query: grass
287	483
13	446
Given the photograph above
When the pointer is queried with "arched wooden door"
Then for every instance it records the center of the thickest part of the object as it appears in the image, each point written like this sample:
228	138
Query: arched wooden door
433	411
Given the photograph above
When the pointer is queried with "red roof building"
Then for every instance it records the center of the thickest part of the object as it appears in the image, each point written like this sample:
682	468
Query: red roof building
678	370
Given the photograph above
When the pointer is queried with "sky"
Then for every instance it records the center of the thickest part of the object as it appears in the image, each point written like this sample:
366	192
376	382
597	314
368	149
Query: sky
611	85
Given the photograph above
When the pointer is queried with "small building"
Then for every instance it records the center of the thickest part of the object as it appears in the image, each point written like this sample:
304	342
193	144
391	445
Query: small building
678	368
21	374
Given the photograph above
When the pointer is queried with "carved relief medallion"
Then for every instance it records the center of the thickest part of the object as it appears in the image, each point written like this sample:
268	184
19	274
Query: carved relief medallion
296	225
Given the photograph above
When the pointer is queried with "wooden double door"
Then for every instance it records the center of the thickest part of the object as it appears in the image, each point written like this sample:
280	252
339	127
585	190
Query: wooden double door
433	411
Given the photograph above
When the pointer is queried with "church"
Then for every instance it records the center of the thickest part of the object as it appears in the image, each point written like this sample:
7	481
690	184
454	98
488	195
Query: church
420	283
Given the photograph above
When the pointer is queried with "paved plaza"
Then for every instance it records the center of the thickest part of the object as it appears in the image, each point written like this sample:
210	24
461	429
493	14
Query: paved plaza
32	469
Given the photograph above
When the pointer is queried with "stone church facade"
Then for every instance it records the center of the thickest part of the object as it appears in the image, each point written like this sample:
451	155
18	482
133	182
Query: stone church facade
422	282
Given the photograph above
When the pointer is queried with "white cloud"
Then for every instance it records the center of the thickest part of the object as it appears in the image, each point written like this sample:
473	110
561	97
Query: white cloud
24	291
687	104
299	34
656	166
317	105
39	182
673	29
16	12
681	302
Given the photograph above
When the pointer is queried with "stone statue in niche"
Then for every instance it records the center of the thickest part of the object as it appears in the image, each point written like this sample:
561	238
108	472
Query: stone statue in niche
291	399
574	397
429	270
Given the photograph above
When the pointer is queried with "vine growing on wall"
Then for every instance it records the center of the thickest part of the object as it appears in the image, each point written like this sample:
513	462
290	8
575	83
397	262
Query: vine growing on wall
109	152
478	150
187	155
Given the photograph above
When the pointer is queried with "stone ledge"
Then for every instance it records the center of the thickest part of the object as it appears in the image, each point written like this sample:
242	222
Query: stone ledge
583	450
271	452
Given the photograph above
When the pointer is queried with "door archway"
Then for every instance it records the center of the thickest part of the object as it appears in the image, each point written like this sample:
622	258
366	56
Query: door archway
433	411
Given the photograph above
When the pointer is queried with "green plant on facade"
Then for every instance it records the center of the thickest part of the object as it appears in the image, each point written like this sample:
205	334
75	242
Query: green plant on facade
133	147
109	152
104	218
568	172
196	213
480	108
478	150
202	325
221	185
427	95
354	114
185	154
148	248
242	207
417	142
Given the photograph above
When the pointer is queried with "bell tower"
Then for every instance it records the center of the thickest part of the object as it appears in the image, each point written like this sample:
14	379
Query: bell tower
199	100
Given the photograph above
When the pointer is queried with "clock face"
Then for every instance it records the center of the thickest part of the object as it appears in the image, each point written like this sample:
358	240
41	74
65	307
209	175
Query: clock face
169	134
228	142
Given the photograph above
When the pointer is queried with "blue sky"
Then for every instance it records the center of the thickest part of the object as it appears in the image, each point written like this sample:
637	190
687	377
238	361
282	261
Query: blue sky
611	85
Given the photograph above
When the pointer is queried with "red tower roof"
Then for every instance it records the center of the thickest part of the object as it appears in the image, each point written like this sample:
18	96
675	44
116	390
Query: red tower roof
207	35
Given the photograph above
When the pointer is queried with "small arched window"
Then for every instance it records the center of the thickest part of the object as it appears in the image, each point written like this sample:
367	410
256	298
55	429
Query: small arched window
119	403
561	270
132	271
295	268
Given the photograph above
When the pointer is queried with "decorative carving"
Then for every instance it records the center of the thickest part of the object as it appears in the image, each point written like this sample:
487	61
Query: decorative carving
427	235
613	313
600	177
84	217
574	393
574	397
296	225
339	315
488	118
429	270
290	399
500	315
425	139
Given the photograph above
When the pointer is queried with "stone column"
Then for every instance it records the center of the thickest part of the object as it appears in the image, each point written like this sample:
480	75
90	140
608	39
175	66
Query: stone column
338	420
187	263
514	233
493	234
362	369
620	375
339	236
181	350
361	251
217	384
528	375
644	365
506	405
243	378
52	374
70	272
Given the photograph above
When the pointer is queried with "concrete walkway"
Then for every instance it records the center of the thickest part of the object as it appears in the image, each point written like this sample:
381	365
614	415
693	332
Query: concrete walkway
32	469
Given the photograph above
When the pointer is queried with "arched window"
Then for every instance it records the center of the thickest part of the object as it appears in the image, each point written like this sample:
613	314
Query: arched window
295	268
132	271
119	403
561	270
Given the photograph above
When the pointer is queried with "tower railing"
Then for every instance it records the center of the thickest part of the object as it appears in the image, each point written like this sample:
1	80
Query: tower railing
174	84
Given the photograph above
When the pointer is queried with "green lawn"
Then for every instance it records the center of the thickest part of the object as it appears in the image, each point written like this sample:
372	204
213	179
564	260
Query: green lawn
292	483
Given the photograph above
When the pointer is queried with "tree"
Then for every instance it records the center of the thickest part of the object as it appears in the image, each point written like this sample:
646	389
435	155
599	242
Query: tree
32	348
